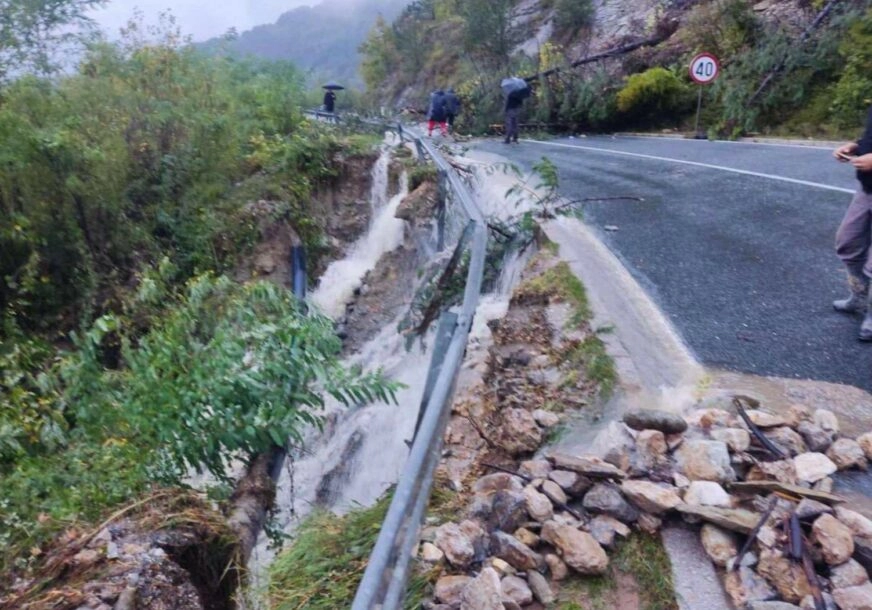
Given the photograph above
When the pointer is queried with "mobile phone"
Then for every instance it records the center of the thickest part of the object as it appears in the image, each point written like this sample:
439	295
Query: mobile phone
844	156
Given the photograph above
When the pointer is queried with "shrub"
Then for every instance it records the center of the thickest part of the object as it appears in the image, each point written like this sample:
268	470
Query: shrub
572	15
852	94
655	94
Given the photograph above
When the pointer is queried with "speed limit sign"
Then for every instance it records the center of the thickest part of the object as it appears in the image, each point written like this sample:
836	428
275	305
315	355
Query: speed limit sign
704	68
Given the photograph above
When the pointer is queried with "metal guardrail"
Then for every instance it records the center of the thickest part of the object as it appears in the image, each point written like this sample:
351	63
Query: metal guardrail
383	585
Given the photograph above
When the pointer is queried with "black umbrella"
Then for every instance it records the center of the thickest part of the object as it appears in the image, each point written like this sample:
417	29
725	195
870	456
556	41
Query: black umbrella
332	86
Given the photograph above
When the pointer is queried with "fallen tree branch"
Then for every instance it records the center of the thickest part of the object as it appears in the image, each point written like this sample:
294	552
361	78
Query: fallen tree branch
613	52
761	438
753	534
794	491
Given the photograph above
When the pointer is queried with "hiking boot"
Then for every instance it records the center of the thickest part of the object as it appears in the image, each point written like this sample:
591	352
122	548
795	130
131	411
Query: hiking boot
857	302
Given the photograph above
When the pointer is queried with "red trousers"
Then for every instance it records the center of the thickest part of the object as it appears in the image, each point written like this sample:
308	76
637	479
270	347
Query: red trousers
443	127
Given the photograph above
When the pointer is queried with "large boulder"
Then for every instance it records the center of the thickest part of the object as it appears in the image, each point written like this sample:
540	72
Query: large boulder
854	598
720	545
707	493
737	439
651	497
701	460
816	438
787	577
588	465
578	549
606	499
834	540
846	453
812	467
518	432
854	521
449	589
514	552
457	545
849	574
483	592
538	505
652	419
516	590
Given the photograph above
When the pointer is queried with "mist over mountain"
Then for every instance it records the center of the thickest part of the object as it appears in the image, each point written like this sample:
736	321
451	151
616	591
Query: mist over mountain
321	39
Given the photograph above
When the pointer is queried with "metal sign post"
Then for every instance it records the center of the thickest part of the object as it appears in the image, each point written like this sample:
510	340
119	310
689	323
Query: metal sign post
704	69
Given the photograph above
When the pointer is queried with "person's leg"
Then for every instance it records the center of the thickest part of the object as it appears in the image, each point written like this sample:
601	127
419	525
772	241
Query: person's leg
852	247
514	114
507	126
430	125
443	127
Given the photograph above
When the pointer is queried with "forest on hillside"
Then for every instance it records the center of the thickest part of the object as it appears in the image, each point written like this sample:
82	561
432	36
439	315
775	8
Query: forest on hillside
788	66
130	189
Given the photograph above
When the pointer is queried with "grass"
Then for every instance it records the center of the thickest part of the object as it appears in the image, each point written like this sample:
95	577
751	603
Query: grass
590	355
324	565
641	556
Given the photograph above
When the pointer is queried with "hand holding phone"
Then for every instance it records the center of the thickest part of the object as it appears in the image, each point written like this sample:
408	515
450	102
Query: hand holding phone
844	156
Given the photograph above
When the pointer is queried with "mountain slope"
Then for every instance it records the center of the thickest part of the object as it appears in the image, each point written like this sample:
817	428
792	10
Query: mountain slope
321	39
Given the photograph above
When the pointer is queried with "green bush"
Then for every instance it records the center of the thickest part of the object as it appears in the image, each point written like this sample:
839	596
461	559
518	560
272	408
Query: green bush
852	94
656	94
572	15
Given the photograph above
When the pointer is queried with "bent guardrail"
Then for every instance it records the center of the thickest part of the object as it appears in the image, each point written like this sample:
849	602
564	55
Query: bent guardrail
384	582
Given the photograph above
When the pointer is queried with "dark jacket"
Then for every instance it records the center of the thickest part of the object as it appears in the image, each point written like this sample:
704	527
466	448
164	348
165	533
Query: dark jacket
864	147
452	102
329	101
516	98
438	106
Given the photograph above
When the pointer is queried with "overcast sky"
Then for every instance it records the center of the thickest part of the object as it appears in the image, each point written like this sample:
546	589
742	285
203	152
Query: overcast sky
202	19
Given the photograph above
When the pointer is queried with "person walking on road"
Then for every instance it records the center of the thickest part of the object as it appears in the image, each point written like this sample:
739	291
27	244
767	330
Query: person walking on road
515	95
854	237
329	101
438	112
452	108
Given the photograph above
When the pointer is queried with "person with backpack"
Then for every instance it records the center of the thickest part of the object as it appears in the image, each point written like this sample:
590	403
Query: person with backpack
452	107
516	90
437	113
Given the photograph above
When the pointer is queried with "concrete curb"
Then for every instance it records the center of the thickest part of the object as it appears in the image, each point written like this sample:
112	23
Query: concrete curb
750	139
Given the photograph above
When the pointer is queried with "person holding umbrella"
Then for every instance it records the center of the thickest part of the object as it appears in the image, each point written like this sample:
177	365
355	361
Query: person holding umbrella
515	90
330	96
437	113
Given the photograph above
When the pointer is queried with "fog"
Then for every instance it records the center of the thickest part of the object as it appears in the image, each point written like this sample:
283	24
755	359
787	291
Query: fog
200	19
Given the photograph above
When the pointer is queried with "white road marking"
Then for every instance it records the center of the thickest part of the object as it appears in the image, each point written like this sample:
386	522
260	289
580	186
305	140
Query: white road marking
697	164
737	142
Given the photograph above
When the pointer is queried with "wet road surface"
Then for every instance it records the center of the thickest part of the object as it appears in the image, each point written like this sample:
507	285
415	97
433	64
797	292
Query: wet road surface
734	241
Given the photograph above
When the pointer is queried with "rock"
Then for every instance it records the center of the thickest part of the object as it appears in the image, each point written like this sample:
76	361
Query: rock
827	421
772	606
541	589
849	574
571	482
651	497
535	469
578	549
448	589
516	590
816	438
526	537
736	439
720	545
705	461
538	505
509	511
681	481
786	576
483	592
502	567
796	414
834	540
651	443
587	465
808	602
765	420
707	493
556	567
518	432
605	498
859	525
546	419
749	560
783	471
553	491
787	439
492	483
514	552
651	419
846	453
649	523
854	598
744	586
709	418
825	485
812	467
431	553
604	528
734	519
865	442
768	536
457	545
808	509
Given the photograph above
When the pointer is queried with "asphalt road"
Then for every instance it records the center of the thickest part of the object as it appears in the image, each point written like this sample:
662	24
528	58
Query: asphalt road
734	241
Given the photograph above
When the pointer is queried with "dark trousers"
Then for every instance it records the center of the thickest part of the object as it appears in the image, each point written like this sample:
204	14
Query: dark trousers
855	235
512	116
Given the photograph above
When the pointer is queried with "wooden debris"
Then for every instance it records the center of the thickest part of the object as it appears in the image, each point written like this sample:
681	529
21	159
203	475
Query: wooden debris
793	492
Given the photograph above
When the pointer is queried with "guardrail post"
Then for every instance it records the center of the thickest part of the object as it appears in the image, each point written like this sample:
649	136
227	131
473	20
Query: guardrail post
444	333
441	202
421	154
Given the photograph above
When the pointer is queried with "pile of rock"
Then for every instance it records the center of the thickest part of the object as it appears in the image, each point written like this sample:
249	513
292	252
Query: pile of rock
768	515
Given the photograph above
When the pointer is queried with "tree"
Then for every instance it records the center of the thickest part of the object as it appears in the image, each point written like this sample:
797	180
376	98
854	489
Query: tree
490	29
32	32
